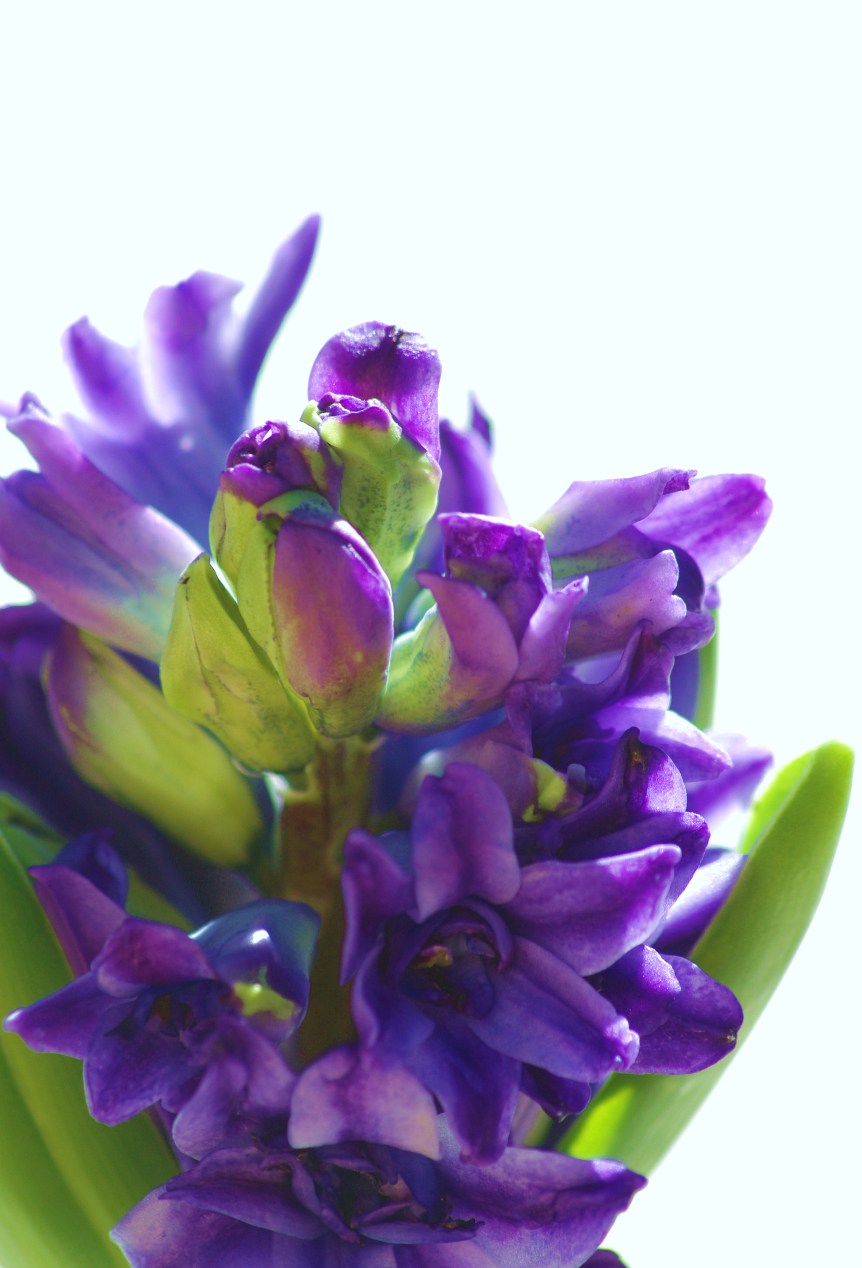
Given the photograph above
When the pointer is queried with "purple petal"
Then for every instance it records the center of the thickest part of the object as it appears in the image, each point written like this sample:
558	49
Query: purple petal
64	1022
642	986
454	666
462	841
620	598
350	1094
701	900
589	914
93	554
82	916
716	520
142	953
546	1015
543	646
249	1186
107	376
542	1208
701	1027
333	605
158	1233
379	362
276	296
508	561
476	1085
374	888
591	511
732	788
245	1083
270	940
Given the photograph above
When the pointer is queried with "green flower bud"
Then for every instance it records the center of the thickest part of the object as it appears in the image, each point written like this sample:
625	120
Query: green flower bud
123	737
214	673
388	484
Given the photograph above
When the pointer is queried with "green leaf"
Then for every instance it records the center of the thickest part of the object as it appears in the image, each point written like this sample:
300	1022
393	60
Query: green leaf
707	681
105	1170
791	837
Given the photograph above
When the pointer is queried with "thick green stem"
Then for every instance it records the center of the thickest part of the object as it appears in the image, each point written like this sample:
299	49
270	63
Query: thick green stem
314	822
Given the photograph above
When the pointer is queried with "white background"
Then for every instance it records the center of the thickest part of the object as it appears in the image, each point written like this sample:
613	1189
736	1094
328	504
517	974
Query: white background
633	229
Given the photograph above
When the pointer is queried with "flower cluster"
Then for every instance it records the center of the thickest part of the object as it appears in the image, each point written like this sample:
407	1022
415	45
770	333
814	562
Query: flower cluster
425	782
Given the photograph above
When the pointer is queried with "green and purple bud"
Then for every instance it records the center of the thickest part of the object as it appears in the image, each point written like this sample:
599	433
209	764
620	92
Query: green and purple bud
213	672
389	483
123	737
316	599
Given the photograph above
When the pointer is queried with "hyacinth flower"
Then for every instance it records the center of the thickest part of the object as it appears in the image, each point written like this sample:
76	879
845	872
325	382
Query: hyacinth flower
417	947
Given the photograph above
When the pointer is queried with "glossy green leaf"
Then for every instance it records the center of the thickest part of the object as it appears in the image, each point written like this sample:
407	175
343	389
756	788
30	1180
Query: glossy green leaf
105	1169
791	837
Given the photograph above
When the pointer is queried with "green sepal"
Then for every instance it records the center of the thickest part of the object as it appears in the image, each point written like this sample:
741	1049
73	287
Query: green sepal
214	673
388	486
123	737
81	1176
791	838
232	519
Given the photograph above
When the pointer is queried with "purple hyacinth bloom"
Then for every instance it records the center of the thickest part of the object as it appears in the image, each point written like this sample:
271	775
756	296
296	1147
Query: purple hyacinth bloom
190	1024
90	552
497	619
382	1208
471	969
163	416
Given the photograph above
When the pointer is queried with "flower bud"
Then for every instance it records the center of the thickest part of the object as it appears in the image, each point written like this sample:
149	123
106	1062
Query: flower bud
316	599
214	673
265	462
389	485
123	737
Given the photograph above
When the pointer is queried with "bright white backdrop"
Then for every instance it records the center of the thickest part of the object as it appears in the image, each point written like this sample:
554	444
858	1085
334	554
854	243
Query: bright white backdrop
633	229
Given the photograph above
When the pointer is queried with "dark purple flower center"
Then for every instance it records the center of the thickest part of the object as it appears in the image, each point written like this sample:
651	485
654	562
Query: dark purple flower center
176	1012
356	1195
459	952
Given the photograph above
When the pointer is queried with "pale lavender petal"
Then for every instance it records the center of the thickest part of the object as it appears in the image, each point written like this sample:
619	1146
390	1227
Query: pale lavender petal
351	1094
159	1233
591	511
274	299
716	520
